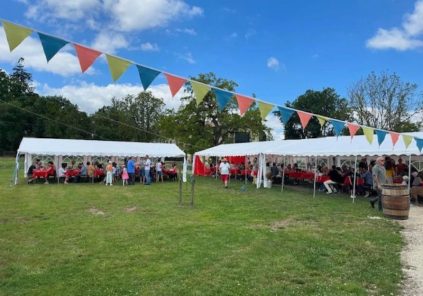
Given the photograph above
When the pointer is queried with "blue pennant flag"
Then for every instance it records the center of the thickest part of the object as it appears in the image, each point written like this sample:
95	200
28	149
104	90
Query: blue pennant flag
285	114
419	143
338	126
147	75
51	45
222	97
380	136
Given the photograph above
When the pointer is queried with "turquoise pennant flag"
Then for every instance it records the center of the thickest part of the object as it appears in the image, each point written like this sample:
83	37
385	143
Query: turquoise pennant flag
147	75
338	126
380	136
285	114
419	143
51	45
222	97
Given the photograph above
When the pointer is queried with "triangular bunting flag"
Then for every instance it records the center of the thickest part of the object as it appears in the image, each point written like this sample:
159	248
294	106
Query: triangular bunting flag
117	66
147	75
86	56
243	103
304	118
51	45
353	128
380	136
338	126
368	132
264	109
15	34
394	137
285	114
175	83
322	120
222	97
407	140
200	90
419	143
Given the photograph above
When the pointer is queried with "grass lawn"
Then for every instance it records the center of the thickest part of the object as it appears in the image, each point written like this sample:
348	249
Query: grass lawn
89	239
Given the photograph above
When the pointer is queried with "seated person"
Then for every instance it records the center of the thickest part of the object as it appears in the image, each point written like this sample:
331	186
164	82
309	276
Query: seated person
334	178
32	167
416	189
83	172
62	173
90	169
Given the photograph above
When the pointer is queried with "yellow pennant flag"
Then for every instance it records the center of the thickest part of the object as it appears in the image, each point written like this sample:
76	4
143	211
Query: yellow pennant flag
117	66
200	90
15	34
264	109
368	132
407	140
322	120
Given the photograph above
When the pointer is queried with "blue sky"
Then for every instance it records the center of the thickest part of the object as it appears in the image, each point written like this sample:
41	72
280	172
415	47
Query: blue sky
274	49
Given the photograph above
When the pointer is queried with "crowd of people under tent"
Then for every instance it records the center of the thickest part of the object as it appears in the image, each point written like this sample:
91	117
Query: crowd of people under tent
127	172
331	179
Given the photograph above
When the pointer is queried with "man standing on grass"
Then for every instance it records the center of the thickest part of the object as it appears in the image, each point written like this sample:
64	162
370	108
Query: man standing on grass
379	178
224	168
130	167
147	166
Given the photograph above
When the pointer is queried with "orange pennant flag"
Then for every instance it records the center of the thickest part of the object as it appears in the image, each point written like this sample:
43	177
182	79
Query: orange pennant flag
243	103
86	56
394	137
175	83
353	128
304	118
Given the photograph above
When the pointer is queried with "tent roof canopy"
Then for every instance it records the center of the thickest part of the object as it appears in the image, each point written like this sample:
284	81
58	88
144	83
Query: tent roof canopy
68	147
328	146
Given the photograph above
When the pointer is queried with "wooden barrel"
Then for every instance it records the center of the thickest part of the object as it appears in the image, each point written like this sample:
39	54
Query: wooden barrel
396	201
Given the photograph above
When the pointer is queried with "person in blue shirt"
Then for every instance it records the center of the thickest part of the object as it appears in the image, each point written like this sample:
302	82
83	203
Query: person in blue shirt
130	167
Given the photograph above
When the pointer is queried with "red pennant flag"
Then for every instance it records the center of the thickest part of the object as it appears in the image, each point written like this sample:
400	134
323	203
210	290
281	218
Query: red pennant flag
86	56
175	83
394	137
353	128
243	103
304	118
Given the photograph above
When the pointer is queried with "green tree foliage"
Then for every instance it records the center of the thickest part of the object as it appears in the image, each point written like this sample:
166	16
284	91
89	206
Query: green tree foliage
327	103
133	118
196	127
385	101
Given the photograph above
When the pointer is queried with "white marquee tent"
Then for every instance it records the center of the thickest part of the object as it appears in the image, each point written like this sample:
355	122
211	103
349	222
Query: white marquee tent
59	149
343	146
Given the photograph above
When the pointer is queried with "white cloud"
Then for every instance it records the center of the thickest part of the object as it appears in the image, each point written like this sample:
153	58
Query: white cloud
63	63
188	31
90	97
129	15
274	123
404	38
186	57
59	9
109	42
273	63
147	46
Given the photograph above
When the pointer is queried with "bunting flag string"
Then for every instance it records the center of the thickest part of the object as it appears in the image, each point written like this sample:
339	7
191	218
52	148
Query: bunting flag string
16	34
86	56
244	103
175	83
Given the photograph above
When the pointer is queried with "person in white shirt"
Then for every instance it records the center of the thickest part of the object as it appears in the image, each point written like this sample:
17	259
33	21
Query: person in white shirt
159	173
224	168
147	166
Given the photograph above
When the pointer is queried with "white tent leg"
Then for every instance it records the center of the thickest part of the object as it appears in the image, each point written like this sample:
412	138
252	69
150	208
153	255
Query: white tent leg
283	174
354	179
409	172
184	170
315	177
16	169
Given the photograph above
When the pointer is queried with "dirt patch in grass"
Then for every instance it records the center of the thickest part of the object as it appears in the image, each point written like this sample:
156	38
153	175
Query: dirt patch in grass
96	212
131	209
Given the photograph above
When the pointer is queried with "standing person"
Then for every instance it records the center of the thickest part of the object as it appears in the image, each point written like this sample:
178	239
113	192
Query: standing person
131	171
401	168
159	173
125	176
379	178
224	168
147	166
109	173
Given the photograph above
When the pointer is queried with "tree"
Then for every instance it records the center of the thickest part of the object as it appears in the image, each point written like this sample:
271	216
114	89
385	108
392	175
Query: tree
196	127
384	101
326	103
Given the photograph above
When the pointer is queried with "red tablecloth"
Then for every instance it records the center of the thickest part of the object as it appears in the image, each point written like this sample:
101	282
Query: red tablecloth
234	171
72	173
42	173
98	173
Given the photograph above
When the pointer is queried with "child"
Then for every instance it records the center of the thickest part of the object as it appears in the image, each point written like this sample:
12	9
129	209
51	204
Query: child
125	176
109	174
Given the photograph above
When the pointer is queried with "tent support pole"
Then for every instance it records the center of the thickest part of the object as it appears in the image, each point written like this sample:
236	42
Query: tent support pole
216	169
315	177
245	169
283	174
16	174
354	179
409	173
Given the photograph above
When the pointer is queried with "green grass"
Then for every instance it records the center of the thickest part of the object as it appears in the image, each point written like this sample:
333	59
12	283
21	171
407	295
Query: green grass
257	242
